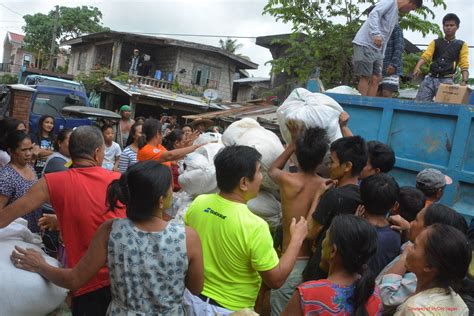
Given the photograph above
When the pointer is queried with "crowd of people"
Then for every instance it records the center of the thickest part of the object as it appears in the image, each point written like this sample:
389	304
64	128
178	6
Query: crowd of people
352	241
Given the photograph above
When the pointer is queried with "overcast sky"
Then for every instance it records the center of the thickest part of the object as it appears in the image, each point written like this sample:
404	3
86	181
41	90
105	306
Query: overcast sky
208	17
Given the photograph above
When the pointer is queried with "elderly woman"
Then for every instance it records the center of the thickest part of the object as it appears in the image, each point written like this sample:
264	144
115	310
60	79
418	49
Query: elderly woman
439	258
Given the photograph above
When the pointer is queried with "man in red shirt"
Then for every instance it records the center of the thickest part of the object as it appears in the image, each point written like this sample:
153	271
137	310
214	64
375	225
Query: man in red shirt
78	198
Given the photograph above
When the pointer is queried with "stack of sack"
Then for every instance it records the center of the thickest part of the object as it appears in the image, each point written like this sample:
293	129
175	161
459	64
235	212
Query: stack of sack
308	109
197	173
249	132
25	293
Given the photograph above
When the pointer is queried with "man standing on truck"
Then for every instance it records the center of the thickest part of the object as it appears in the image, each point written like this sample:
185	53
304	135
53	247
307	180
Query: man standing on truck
445	54
392	63
371	40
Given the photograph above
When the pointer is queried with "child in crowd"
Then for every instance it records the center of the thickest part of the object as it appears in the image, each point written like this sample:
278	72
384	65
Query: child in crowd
112	149
410	202
297	193
44	141
381	159
148	276
432	183
348	158
348	245
379	193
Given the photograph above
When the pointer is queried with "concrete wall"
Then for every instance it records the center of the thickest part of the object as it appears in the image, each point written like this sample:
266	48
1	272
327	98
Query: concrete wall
89	50
189	58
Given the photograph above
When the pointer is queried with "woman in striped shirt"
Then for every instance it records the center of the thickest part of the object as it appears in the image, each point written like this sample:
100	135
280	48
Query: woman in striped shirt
129	154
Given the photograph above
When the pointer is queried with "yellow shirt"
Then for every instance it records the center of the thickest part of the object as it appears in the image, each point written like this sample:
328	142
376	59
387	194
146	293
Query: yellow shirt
463	59
236	244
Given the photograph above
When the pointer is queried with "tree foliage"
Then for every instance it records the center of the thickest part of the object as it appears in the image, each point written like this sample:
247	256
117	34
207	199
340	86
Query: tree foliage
72	22
230	45
330	26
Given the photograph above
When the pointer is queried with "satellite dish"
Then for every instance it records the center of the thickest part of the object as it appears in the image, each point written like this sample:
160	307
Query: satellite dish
210	94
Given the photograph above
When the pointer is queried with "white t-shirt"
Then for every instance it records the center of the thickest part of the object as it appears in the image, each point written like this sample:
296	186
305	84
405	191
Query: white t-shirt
111	152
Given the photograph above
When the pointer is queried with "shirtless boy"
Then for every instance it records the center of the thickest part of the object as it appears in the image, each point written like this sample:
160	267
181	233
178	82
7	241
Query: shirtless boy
297	193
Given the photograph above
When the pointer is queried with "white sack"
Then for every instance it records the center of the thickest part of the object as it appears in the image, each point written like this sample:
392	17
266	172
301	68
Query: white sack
248	132
344	90
267	207
25	293
310	110
199	176
208	138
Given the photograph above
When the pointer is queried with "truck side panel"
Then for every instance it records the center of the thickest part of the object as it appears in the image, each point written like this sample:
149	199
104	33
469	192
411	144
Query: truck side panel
423	135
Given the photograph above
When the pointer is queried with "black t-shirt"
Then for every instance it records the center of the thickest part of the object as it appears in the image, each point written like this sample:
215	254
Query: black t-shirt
43	143
341	200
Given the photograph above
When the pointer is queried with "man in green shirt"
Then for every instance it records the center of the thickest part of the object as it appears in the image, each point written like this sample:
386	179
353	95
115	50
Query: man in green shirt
237	246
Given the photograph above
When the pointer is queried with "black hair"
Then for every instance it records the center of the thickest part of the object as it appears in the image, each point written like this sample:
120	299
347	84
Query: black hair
451	17
441	214
171	138
62	135
150	129
356	242
411	201
133	130
14	139
40	127
187	125
140	189
379	193
381	155
84	141
106	127
417	3
351	149
311	147
140	118
448	250
233	163
7	125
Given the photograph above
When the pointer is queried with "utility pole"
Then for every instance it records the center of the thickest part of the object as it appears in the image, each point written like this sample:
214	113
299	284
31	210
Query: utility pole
53	40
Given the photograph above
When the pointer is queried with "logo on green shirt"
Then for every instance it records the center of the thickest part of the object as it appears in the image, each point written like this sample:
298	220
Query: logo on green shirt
211	211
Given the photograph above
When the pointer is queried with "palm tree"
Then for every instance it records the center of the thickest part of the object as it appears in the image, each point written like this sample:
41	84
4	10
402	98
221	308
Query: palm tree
230	45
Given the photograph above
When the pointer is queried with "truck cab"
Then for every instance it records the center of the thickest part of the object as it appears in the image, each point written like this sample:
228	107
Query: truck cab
48	81
48	100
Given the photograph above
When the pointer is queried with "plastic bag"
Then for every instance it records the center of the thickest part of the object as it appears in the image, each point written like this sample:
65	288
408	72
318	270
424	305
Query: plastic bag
310	110
25	293
344	90
266	206
249	133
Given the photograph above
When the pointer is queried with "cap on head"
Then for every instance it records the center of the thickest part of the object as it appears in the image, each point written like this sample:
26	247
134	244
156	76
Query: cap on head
125	108
432	179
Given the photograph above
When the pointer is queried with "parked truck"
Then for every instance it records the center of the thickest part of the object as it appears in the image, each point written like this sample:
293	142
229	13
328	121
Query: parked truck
423	135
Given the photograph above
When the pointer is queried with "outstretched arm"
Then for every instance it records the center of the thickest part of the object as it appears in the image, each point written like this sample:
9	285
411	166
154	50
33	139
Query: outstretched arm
275	172
36	196
94	259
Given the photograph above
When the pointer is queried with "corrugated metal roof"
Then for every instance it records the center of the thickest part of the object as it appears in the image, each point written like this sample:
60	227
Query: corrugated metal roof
252	79
163	94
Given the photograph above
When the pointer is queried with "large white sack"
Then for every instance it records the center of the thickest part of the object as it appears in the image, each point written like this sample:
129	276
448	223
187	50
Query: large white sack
208	138
25	293
310	110
344	90
267	207
248	132
199	176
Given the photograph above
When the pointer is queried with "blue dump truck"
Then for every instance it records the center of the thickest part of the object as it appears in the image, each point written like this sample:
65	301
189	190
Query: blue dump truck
423	135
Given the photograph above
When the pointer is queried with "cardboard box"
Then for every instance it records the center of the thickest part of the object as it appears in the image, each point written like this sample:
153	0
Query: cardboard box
453	94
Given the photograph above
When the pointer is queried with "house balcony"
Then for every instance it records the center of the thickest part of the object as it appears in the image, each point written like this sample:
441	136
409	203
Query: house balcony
5	67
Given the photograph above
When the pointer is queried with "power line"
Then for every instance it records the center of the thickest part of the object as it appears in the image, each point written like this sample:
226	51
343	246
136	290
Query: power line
11	10
194	35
